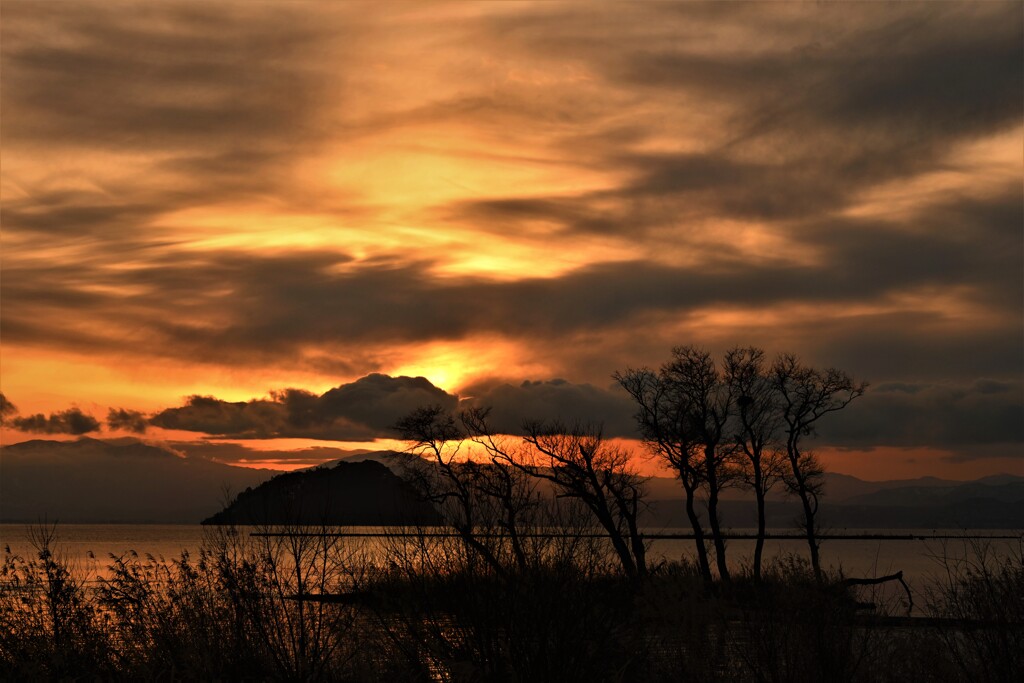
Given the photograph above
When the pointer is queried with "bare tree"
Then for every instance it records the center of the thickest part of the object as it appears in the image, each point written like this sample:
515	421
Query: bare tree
756	430
450	483
684	417
477	495
660	420
580	467
706	403
806	395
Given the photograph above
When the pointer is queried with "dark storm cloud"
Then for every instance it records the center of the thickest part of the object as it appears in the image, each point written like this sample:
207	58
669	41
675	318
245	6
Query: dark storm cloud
949	416
917	345
359	411
943	70
70	421
961	240
254	419
665	190
984	418
513	405
377	401
7	409
76	214
960	418
369	408
565	214
276	304
126	419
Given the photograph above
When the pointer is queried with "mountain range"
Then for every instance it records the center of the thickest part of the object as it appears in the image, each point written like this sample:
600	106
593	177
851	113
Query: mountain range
117	481
131	481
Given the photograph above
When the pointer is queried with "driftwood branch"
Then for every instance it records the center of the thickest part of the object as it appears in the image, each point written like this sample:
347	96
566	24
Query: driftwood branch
898	576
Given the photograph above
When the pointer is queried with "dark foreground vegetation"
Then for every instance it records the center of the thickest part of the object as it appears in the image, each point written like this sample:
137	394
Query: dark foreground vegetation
541	571
314	606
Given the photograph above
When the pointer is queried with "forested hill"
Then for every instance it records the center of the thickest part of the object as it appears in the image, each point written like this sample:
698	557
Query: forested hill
362	493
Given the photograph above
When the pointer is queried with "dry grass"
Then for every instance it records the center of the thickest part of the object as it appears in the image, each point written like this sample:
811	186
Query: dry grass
428	610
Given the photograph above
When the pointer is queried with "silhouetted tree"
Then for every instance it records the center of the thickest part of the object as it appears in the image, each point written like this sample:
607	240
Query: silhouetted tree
580	466
702	422
450	483
706	403
805	395
756	430
684	413
660	419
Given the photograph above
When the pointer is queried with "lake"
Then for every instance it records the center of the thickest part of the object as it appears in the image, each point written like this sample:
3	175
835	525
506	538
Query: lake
923	561
89	546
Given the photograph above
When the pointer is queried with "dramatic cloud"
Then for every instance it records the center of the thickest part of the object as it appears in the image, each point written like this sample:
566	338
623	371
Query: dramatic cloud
230	307
239	454
360	411
7	409
985	414
512	406
127	420
301	194
985	417
70	421
954	417
253	420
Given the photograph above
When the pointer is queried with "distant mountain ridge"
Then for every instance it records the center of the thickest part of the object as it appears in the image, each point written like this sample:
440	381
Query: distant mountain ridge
927	504
131	481
1010	492
123	481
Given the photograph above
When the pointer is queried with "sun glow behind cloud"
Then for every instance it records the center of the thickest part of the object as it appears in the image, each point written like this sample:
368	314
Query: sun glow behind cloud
453	365
259	196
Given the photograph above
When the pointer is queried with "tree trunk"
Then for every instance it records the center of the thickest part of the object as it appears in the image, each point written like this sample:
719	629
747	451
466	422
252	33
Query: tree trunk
698	533
809	531
639	551
761	523
716	529
618	543
804	492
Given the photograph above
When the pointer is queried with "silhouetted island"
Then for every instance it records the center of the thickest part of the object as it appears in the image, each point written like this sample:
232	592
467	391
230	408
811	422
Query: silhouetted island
362	493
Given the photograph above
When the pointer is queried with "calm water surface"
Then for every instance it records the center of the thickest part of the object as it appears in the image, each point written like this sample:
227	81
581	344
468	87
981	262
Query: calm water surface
89	547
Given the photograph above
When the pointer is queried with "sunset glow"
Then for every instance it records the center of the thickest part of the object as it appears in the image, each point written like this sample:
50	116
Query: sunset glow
242	198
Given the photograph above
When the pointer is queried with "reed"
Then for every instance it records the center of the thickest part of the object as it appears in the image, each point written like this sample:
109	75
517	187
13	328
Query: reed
315	606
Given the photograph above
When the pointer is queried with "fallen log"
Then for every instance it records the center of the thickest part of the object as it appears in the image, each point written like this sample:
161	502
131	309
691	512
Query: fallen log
898	576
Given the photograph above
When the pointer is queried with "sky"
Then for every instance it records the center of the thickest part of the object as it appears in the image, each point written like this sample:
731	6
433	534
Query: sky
264	230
